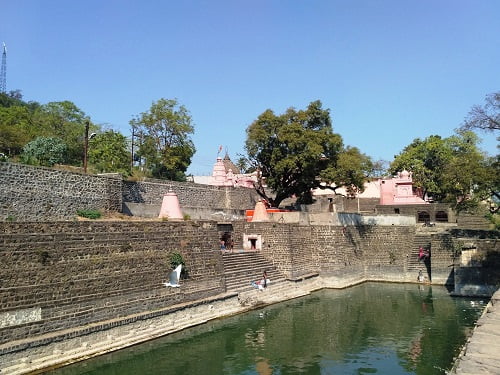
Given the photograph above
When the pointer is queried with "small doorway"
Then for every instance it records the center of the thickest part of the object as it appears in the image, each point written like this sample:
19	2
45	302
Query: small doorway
252	242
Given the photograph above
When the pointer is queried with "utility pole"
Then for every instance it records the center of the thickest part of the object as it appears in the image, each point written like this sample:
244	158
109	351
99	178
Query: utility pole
86	145
3	71
132	150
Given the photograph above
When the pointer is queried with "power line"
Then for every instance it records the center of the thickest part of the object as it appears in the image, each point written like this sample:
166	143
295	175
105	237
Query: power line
3	72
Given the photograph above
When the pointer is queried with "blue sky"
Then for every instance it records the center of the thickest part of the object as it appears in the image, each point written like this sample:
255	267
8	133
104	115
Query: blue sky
389	71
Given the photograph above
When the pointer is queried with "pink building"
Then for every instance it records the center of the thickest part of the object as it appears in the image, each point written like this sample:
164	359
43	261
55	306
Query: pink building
225	173
399	190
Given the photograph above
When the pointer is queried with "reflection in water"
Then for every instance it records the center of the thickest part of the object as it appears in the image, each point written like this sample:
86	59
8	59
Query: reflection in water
263	367
370	328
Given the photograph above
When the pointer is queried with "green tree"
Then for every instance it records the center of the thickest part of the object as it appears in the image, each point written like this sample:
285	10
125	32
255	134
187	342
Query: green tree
350	171
15	129
450	169
66	121
294	151
468	178
426	160
16	123
163	139
379	168
44	151
15	98
494	167
108	153
243	164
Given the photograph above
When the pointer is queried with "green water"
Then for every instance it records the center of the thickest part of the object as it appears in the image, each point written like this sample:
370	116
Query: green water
372	328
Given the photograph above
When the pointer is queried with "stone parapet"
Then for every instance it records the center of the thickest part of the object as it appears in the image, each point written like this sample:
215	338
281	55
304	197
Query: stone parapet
40	194
30	193
190	194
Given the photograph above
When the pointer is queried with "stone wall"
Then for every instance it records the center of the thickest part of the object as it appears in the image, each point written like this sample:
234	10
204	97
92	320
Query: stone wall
476	267
190	194
77	275
30	193
38	194
478	222
373	252
414	209
61	275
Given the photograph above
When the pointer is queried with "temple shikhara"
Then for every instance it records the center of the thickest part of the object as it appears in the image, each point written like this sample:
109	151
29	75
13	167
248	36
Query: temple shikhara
225	173
399	190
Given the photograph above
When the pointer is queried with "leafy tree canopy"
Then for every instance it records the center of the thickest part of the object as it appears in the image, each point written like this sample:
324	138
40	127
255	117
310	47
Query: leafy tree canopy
23	122
15	129
426	160
350	171
163	139
15	98
66	121
44	151
297	151
108	152
450	169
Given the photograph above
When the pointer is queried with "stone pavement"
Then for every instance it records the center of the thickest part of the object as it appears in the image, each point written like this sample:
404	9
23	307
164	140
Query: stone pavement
481	354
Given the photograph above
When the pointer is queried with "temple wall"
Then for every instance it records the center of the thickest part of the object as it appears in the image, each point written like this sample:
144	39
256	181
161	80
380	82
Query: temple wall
414	209
373	251
190	194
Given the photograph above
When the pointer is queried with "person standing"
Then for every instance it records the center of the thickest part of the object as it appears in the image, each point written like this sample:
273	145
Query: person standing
264	280
421	254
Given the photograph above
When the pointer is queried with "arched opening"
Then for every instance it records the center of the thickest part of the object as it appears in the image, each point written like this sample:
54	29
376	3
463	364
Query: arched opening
423	217
442	216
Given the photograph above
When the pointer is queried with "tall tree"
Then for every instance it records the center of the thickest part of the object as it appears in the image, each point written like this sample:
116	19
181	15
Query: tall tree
15	129
450	169
294	150
486	117
66	121
16	123
350	171
108	153
426	160
165	145
467	177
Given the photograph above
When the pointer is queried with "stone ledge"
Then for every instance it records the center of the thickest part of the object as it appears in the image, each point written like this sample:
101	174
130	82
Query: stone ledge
19	345
303	277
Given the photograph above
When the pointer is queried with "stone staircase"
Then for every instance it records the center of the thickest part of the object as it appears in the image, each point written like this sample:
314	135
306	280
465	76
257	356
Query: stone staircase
420	239
477	222
241	268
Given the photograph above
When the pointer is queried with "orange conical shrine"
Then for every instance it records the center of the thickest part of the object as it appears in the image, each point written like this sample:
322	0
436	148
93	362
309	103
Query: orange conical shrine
260	212
170	207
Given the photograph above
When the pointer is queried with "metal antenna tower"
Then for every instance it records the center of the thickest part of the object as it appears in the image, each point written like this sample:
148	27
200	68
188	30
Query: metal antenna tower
3	72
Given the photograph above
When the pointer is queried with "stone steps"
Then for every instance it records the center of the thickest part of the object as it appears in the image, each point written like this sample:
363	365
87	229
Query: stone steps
80	347
240	269
423	240
472	222
117	336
